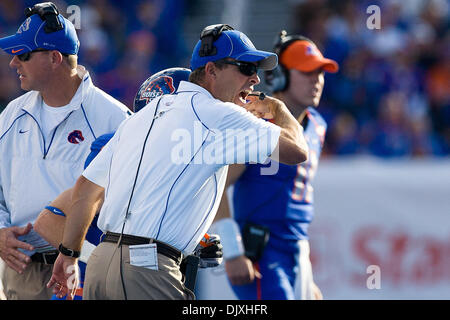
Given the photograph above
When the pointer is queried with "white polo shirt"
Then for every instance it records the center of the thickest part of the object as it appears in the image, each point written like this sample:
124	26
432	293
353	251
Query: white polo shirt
35	167
184	165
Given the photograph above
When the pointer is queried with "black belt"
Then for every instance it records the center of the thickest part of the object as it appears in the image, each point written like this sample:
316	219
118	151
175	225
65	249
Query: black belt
45	257
161	247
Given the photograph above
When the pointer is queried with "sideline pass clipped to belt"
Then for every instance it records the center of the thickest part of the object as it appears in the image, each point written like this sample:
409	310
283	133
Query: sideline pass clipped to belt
161	247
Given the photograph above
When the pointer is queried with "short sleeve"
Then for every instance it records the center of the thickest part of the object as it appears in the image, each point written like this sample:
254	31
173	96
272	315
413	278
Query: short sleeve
244	137
98	169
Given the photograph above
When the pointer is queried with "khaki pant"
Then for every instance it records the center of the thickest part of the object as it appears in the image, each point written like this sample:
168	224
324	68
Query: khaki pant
30	285
103	280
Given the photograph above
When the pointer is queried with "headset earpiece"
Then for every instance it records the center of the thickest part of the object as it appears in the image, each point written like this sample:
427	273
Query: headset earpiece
48	13
278	78
208	36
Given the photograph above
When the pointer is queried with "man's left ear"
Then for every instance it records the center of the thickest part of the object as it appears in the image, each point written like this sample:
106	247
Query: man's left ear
210	68
56	57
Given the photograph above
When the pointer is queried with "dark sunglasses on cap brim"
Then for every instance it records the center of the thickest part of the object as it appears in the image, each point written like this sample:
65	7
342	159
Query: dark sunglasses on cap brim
27	55
246	68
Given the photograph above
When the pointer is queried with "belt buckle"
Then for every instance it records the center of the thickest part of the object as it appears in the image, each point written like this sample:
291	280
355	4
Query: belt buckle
44	256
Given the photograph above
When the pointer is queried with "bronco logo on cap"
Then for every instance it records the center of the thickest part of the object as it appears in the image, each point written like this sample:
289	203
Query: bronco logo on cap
158	87
75	137
247	41
311	51
25	26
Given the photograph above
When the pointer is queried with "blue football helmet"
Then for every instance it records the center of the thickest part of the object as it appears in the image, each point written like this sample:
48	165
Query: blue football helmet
163	82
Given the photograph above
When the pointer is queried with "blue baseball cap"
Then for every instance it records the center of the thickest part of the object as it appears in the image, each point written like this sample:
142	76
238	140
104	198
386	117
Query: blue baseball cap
31	36
236	45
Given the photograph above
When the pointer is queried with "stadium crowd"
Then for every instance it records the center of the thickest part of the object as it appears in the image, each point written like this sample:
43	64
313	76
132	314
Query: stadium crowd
389	99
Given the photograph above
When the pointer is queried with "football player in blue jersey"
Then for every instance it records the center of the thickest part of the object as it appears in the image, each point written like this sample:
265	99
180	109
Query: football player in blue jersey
265	244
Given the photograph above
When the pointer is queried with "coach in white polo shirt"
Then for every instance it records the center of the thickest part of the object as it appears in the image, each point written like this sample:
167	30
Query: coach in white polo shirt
163	172
45	135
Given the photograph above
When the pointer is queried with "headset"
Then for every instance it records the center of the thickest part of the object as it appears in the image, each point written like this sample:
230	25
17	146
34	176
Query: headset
48	13
278	78
208	36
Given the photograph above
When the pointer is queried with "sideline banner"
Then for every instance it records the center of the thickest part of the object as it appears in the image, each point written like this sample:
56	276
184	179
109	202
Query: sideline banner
381	231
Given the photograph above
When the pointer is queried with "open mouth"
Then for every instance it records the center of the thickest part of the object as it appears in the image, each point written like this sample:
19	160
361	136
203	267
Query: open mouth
243	96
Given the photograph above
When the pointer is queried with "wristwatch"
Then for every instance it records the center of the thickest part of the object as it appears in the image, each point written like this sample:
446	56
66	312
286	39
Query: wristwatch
68	252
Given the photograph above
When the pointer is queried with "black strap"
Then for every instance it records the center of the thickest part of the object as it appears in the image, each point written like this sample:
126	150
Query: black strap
130	240
284	40
45	257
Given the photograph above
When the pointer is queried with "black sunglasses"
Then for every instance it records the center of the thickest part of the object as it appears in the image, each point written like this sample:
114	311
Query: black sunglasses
27	55
247	69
